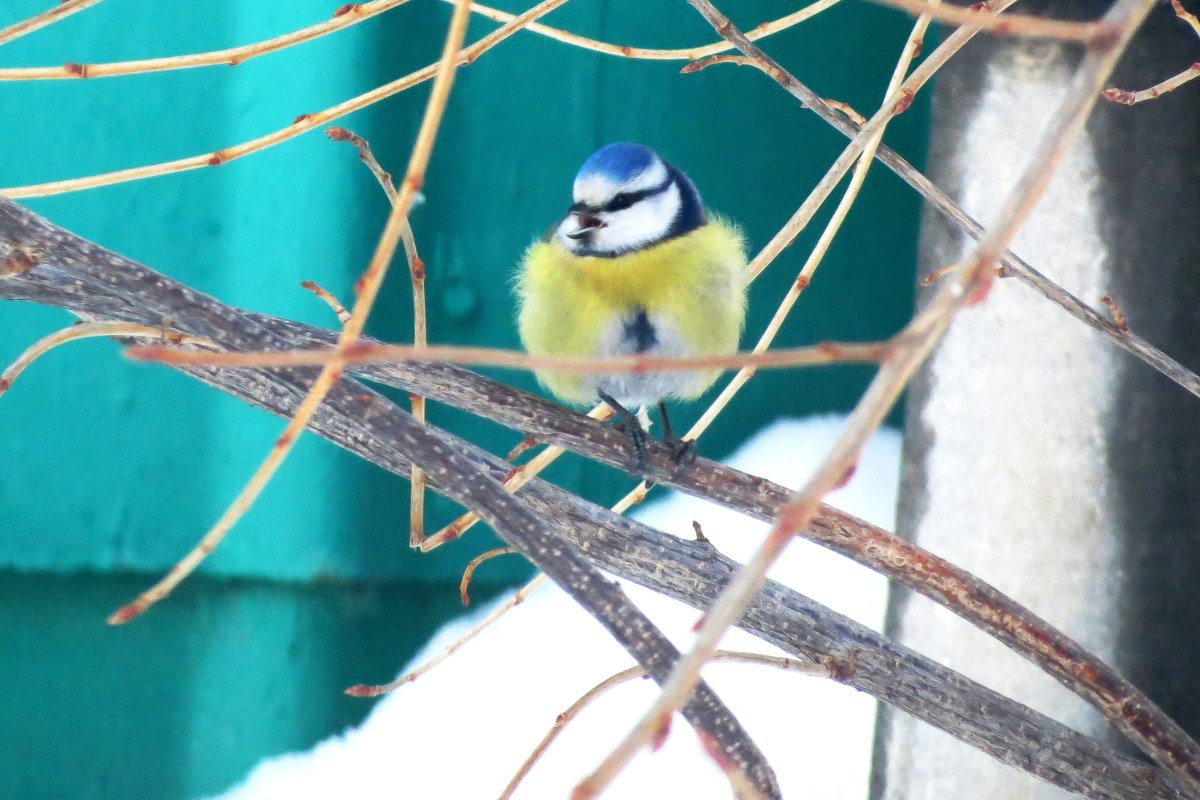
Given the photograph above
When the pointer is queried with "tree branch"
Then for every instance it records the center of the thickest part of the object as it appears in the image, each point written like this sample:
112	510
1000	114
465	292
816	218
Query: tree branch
48	265
1011	264
101	283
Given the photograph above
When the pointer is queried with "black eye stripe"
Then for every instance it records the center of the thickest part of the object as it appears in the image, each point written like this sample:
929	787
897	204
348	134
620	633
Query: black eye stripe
626	199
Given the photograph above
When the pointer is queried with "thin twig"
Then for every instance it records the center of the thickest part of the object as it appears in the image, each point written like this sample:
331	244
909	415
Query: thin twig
302	123
469	572
348	15
367	690
1127	98
887	110
358	12
366	156
416	487
64	9
675	54
1006	25
87	330
936	275
624	676
848	110
1114	310
368	289
712	61
1189	18
519	477
1157	90
339	310
912	345
416	273
366	352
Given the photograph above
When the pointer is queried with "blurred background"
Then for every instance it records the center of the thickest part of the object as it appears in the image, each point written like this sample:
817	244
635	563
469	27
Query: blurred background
109	471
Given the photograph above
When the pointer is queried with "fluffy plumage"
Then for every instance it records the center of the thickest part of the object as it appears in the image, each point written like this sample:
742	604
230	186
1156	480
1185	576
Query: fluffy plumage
636	266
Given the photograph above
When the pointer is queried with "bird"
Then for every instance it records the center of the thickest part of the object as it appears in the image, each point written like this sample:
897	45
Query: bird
636	266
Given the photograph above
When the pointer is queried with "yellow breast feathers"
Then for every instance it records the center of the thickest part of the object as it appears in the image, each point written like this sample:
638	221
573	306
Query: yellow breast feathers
688	292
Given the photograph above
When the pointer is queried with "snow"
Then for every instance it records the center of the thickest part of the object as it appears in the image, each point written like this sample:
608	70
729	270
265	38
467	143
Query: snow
462	730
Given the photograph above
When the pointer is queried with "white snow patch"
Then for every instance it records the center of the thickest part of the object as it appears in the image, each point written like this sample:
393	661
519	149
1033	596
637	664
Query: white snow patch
462	730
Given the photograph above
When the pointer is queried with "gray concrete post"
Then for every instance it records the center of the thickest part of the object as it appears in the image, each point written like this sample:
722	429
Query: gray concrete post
1038	455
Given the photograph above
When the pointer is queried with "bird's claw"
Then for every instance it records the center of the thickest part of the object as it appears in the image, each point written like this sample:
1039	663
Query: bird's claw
683	451
637	442
628	423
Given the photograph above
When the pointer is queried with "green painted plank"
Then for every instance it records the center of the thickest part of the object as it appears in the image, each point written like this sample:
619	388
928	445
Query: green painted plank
109	470
519	122
184	702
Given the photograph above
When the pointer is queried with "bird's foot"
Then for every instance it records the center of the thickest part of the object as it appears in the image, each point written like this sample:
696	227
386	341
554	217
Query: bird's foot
637	442
683	451
628	423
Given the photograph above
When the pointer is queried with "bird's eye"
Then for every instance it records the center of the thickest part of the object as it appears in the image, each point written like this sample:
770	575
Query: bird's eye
624	200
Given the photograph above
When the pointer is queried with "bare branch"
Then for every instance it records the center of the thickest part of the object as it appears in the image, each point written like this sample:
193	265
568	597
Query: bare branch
1008	24
302	124
626	675
89	330
1011	264
64	9
367	157
76	275
1128	98
676	54
368	289
416	273
364	690
517	478
469	572
334	304
352	14
1171	746
1188	18
349	15
367	352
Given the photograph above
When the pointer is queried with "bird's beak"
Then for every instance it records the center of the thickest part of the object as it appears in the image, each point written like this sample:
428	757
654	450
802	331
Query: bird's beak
587	223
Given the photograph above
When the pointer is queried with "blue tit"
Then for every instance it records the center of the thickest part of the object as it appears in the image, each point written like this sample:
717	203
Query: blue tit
636	267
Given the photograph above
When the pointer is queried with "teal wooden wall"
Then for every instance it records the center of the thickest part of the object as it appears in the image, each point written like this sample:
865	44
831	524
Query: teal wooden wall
109	471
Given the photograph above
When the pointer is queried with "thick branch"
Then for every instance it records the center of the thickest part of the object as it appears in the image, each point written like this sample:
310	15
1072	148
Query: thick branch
48	265
101	283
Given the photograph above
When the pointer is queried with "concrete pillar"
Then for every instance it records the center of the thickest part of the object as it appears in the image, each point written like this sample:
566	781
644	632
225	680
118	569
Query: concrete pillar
1037	454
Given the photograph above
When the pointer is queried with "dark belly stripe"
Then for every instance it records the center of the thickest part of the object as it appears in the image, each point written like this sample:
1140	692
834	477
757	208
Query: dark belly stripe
639	332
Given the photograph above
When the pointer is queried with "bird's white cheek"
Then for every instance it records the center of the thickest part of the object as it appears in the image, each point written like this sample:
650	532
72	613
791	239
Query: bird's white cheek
640	224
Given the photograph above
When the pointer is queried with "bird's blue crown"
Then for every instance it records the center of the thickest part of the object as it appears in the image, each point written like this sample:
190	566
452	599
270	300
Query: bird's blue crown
619	162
